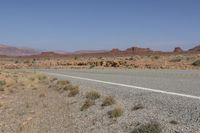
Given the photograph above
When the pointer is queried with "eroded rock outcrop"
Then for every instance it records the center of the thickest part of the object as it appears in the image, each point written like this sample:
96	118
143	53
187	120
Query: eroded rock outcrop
178	49
138	50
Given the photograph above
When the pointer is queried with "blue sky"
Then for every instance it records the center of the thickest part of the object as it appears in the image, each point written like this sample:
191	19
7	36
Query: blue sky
100	24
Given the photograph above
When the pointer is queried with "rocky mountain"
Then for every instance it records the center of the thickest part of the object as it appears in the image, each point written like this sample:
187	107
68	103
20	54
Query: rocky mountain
178	50
14	51
195	49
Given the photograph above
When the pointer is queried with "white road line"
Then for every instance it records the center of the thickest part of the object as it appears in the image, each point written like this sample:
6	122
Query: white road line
125	85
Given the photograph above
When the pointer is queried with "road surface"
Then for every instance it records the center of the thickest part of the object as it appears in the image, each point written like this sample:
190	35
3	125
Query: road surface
166	94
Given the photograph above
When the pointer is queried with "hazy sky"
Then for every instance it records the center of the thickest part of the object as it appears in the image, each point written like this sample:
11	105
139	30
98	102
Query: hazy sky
100	24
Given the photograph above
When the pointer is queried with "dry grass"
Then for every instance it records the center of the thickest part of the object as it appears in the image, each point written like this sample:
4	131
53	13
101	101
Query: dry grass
176	59
63	82
152	127
2	82
68	87
42	95
74	91
88	103
41	77
93	95
116	112
108	100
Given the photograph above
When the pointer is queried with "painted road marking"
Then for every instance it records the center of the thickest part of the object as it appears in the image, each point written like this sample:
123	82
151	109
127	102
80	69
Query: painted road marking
125	85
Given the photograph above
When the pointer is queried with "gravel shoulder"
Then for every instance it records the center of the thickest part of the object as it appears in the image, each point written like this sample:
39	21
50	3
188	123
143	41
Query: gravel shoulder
157	107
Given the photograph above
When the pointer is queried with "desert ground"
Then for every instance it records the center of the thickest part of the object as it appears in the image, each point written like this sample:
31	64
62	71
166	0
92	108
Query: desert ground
156	93
179	61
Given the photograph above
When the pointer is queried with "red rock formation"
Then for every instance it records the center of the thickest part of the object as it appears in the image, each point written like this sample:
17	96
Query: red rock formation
115	50
138	50
178	50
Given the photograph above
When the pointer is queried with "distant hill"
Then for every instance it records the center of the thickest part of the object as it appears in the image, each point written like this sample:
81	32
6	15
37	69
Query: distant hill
14	51
89	51
195	49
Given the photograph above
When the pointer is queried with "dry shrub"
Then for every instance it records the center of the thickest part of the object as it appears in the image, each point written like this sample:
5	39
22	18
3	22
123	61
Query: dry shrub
2	82
74	91
63	82
68	87
88	103
175	60
116	112
93	95
152	127
41	77
42	95
108	100
2	88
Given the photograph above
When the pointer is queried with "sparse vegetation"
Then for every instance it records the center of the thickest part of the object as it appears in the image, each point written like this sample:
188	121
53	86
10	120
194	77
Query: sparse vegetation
41	77
26	62
68	87
196	63
73	91
63	82
156	57
42	95
16	62
2	82
88	103
108	100
175	60
152	127
93	95
116	112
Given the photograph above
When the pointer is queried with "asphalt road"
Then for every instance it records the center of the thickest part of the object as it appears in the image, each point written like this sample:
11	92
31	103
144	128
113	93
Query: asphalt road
183	82
165	94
